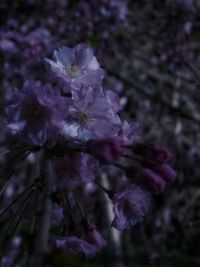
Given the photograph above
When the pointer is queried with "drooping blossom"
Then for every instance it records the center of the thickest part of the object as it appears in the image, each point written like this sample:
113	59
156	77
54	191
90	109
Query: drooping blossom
91	115
33	112
130	206
77	246
76	67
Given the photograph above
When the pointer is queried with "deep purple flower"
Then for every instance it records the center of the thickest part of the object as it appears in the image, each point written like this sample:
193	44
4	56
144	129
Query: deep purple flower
74	170
130	206
76	66
106	150
35	113
91	115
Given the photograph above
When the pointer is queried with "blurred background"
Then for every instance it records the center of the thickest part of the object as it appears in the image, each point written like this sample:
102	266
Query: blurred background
150	50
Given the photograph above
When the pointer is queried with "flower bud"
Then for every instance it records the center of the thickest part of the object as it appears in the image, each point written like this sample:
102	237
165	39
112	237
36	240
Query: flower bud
150	180
167	173
106	150
153	153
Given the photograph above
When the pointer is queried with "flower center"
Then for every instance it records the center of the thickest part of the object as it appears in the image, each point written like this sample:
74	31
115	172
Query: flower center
74	70
83	117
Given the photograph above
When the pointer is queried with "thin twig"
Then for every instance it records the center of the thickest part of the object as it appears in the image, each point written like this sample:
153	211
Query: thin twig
20	157
14	222
16	199
34	217
41	247
83	214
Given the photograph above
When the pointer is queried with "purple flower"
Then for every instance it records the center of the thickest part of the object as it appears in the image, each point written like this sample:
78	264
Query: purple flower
36	113
90	245
130	206
75	246
91	115
76	66
74	170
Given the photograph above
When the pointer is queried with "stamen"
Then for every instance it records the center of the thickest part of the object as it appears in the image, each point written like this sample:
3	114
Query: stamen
74	70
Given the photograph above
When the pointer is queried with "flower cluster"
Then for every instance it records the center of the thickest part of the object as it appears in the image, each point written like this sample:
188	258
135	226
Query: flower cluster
76	124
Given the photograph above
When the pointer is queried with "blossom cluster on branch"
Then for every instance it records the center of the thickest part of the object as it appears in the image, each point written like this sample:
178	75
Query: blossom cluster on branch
75	124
